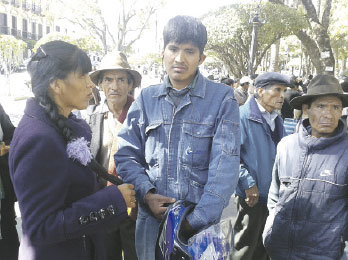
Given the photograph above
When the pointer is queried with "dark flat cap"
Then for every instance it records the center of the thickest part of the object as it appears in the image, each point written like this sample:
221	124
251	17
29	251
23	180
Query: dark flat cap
272	78
321	85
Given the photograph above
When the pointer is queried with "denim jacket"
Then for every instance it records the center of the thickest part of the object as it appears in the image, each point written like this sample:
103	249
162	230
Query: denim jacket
188	152
258	151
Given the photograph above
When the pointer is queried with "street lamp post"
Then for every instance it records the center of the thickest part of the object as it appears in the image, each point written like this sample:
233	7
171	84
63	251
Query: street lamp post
256	23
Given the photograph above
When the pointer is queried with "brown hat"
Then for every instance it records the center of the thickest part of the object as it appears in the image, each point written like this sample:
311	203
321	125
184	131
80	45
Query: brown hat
321	85
115	60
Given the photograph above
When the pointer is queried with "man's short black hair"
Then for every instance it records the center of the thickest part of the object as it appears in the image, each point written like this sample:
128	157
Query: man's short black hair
227	81
185	29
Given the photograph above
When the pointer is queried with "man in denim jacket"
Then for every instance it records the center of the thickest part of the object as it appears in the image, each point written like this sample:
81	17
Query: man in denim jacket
181	139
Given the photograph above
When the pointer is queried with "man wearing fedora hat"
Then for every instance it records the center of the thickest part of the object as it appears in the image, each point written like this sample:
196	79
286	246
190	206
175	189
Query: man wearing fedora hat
116	79
308	197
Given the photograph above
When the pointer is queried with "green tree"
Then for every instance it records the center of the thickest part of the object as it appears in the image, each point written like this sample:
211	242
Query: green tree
11	53
129	19
229	32
86	43
338	31
315	38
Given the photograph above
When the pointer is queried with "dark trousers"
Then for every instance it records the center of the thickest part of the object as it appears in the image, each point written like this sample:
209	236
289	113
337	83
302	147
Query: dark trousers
248	229
9	243
122	239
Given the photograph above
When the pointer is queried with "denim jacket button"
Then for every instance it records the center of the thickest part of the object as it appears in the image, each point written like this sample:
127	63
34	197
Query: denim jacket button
188	151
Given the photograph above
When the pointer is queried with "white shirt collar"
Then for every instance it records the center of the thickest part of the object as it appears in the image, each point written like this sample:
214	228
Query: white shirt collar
269	117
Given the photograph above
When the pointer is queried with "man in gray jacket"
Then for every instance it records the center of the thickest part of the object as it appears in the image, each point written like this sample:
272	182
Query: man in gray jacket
308	197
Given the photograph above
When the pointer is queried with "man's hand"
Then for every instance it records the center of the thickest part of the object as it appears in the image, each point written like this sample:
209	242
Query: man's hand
158	204
252	196
128	193
186	230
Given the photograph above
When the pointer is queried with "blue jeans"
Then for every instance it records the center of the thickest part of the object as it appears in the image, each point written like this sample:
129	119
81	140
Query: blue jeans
146	235
345	254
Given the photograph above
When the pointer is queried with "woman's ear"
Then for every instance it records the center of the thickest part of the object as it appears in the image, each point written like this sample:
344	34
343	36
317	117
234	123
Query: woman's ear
56	87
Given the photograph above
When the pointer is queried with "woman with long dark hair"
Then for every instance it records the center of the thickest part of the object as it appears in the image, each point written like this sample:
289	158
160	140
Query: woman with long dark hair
64	214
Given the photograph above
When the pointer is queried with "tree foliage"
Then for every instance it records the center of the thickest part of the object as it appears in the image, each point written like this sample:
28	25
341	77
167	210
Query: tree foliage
315	38
86	43
11	52
338	28
230	29
118	27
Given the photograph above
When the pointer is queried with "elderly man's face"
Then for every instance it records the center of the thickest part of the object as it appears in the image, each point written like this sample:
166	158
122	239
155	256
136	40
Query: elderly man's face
324	114
272	98
116	87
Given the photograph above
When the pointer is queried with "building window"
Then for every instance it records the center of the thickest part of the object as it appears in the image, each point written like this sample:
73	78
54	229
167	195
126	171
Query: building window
14	22
25	28
40	31
57	28
14	26
3	24
3	19
48	29
33	31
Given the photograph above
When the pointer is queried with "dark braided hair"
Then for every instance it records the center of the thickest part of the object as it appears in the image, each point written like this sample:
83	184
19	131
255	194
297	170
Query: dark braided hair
55	60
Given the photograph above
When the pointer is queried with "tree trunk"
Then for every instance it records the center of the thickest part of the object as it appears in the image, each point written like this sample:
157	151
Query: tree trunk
318	46
300	73
336	60
344	64
275	56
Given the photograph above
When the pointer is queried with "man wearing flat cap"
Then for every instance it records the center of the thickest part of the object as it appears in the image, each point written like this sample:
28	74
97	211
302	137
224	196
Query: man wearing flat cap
308	198
117	80
261	130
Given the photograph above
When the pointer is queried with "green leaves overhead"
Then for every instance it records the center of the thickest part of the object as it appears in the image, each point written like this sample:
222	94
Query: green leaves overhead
11	52
230	29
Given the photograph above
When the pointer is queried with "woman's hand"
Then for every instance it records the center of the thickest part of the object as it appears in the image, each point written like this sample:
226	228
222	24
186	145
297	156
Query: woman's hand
128	193
4	149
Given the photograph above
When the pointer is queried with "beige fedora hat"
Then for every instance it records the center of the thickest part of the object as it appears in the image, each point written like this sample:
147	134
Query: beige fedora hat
115	60
321	85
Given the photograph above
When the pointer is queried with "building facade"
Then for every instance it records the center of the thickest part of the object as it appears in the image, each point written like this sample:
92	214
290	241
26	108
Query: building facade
26	20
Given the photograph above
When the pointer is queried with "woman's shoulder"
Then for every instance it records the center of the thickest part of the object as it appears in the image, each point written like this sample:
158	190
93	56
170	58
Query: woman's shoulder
34	132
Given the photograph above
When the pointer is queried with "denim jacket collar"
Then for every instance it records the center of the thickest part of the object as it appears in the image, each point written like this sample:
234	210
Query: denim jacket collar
254	111
198	90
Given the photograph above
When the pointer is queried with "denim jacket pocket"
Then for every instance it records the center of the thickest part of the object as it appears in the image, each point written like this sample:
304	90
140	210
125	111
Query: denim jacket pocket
196	144
153	138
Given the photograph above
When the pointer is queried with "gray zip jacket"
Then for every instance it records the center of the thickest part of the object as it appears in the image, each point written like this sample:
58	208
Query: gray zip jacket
308	197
